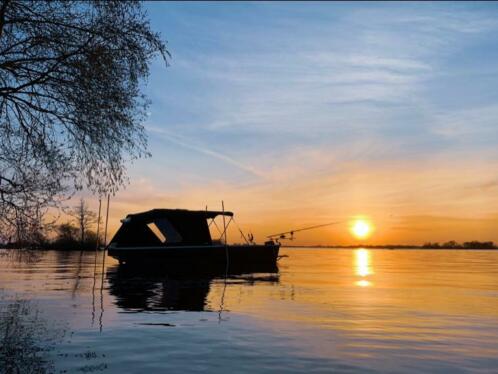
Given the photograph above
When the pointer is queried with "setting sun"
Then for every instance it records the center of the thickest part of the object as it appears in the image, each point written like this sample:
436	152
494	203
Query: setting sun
361	229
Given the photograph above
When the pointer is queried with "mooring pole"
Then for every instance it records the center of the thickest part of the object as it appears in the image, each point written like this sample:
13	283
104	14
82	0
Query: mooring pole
103	267
225	234
95	262
106	220
98	225
227	262
224	225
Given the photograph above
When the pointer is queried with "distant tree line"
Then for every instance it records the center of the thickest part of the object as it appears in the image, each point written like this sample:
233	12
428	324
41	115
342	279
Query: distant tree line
78	233
429	245
465	245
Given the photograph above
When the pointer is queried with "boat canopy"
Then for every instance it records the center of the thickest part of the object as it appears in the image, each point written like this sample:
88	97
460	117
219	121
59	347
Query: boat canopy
160	227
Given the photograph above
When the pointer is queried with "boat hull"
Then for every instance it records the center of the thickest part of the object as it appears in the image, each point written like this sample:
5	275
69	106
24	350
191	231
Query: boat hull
251	258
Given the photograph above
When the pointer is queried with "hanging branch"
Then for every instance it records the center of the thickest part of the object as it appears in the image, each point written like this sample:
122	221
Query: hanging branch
71	110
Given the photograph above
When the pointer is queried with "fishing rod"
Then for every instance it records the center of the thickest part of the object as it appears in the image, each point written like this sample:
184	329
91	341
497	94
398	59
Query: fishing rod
283	235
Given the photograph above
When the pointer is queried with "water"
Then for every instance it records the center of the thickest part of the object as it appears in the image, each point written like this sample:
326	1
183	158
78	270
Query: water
324	311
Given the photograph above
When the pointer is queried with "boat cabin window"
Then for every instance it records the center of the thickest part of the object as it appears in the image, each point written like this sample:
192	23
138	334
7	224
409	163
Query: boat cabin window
164	231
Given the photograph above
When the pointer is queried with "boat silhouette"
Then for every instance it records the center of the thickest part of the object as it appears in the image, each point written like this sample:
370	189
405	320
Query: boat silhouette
180	239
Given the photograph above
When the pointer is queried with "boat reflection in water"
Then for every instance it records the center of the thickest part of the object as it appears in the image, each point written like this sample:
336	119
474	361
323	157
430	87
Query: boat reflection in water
138	288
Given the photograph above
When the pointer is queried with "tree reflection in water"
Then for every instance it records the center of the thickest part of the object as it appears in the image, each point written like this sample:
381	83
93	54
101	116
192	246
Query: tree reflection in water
25	339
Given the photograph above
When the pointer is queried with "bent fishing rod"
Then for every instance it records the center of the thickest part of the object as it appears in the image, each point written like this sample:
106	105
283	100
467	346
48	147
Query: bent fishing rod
283	235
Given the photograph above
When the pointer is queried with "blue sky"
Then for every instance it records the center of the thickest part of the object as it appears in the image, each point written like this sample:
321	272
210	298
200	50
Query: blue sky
304	112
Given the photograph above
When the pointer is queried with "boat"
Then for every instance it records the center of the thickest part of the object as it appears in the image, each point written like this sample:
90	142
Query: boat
181	239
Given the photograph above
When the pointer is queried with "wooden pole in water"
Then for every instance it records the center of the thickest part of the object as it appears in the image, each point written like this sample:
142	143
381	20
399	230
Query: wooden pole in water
225	234
103	267
106	219
98	226
224	225
227	262
95	262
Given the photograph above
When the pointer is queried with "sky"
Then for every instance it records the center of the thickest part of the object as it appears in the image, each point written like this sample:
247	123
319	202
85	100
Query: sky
298	114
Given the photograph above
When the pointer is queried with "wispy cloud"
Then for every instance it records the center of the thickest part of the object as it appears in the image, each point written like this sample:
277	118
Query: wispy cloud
466	124
182	141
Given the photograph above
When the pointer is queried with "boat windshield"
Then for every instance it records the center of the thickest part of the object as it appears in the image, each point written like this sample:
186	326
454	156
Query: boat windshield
164	231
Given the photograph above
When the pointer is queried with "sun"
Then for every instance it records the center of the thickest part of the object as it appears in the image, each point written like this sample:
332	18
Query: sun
361	228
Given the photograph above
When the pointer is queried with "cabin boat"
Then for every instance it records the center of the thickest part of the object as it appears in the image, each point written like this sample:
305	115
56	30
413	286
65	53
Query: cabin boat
182	238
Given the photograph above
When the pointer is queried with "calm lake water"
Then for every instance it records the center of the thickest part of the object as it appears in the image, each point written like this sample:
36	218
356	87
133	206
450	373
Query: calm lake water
325	310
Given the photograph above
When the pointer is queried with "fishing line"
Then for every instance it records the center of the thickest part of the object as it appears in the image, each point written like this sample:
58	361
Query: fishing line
282	235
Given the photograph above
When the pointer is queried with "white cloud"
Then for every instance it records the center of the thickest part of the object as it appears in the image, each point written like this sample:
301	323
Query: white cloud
187	143
466	124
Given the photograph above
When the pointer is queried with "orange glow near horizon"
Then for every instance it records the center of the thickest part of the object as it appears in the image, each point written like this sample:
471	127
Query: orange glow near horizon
413	220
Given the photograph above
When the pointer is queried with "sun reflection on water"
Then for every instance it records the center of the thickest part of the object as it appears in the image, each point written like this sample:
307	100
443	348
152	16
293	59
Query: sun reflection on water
363	266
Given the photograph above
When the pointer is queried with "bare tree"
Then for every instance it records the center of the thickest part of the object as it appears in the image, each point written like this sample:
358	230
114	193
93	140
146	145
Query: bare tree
66	233
85	218
70	102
